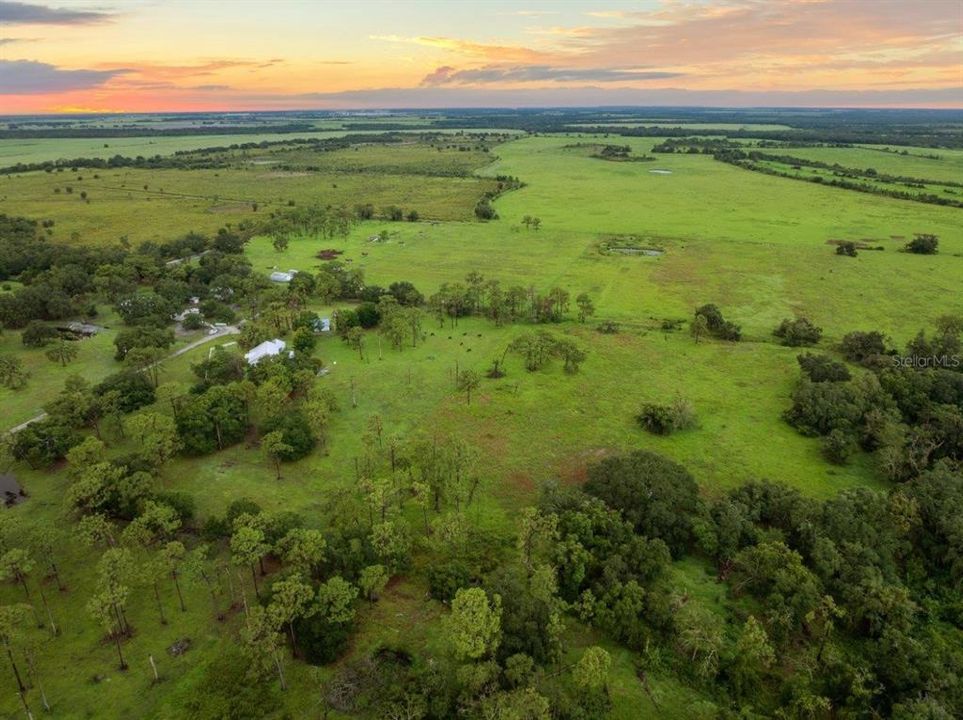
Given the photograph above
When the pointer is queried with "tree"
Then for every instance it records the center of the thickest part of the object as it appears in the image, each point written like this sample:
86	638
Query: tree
12	620
248	547
592	669
291	598
155	436
571	353
699	328
107	606
776	574
303	549
468	381
372	581
752	656
336	600
700	635
717	325
261	642
658	496
280	243
537	348
13	375
586	308
859	346
354	337
274	448
147	360
838	446
16	565
63	352
473	628
173	553
38	334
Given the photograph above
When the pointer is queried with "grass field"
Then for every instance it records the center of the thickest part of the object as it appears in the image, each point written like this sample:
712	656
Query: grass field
140	204
13	151
753	244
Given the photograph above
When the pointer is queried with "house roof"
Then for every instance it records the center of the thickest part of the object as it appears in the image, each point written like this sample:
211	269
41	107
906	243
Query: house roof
268	348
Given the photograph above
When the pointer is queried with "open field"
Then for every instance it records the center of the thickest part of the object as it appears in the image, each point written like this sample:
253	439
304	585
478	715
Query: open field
35	150
97	206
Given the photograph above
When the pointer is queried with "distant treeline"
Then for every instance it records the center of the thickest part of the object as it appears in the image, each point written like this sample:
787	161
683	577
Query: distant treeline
209	157
15	133
858	179
848	178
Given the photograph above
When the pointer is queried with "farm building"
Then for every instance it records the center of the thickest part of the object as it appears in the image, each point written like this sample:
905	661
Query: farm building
80	328
268	348
321	325
283	277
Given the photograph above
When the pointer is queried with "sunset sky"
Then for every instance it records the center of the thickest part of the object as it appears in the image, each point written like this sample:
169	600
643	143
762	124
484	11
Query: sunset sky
161	55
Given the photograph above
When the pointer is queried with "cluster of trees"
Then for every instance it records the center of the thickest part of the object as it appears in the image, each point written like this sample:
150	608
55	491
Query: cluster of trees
798	332
487	298
709	322
849	588
907	409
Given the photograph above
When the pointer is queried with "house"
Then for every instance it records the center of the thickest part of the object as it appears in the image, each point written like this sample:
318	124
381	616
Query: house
268	348
283	277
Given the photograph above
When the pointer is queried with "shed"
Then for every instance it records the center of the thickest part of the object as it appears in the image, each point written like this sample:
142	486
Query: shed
279	276
80	328
321	325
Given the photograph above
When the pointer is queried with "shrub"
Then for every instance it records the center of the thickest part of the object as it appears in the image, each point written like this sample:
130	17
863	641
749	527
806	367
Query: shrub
667	419
445	579
608	327
820	408
406	293
321	641
847	249
182	503
485	211
859	346
718	326
225	690
923	244
822	368
798	332
838	447
294	426
368	315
